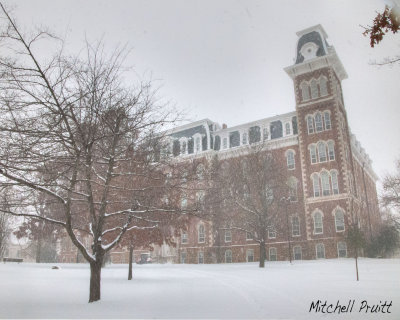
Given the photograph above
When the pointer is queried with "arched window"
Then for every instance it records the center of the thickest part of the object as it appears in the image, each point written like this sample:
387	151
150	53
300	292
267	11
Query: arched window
342	249
290	159
272	254
316	187
313	153
331	151
310	124
295	226
326	188
320	248
314	89
322	152
318	225
334	179
305	92
276	129
327	119
202	236
339	220
228	256
323	89
297	253
318	123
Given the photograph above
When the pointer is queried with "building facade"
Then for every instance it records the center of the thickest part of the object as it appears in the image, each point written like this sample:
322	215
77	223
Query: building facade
335	183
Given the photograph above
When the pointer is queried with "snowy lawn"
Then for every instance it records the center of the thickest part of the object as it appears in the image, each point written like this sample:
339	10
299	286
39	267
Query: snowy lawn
280	291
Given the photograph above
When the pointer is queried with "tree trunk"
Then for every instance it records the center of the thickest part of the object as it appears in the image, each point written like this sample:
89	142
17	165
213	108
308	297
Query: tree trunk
39	249
262	254
95	278
130	262
356	257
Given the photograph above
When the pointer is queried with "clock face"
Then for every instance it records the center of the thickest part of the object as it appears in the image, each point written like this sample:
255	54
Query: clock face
309	50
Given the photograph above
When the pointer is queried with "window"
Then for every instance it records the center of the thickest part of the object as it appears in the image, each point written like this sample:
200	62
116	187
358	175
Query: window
272	254
198	144
322	151
314	89
200	257
228	235
323	89
310	124
276	129
320	248
297	253
313	153
316	188
331	151
225	143
295	226
342	249
217	143
228	256
327	119
271	233
287	128
183	257
249	236
326	188
202	236
294	125
250	255
318	123
244	138
339	220
290	159
318	225
184	238
334	179
234	139
254	134
305	93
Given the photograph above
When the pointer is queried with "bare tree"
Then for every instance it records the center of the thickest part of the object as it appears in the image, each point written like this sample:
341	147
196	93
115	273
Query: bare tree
254	185
75	136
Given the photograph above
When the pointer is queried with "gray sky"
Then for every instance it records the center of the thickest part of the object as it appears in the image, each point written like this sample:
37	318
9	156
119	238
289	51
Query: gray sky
224	60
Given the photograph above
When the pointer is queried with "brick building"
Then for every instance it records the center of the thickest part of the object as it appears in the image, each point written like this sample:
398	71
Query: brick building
333	175
334	181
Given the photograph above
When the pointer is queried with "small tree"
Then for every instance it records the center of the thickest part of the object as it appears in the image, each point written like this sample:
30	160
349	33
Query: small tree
356	242
253	185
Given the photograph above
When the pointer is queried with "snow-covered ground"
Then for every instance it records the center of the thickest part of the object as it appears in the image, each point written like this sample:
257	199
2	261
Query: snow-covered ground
280	291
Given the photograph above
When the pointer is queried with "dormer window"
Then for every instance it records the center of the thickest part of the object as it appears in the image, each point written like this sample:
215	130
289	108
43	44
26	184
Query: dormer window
244	138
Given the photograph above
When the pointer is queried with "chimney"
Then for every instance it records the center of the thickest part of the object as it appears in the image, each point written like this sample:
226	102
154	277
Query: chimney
224	126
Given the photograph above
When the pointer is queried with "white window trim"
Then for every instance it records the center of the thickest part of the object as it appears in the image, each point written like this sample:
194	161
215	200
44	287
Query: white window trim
298	219
334	216
276	254
322	221
198	234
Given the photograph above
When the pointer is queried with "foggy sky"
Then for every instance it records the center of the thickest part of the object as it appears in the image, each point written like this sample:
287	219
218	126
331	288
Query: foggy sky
224	60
